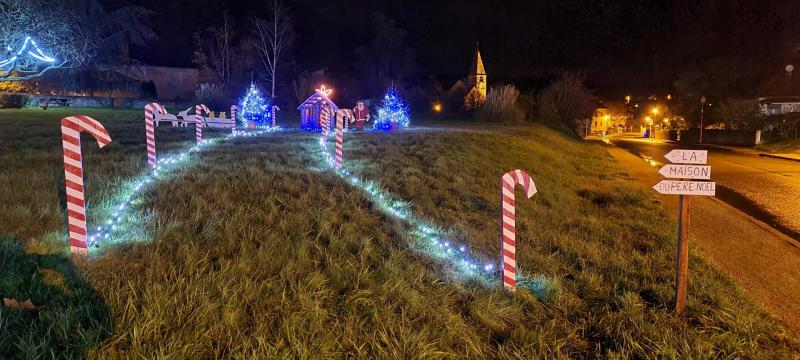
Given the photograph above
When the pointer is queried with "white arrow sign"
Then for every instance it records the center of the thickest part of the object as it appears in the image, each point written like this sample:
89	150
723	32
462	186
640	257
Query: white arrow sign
676	187
687	156
674	171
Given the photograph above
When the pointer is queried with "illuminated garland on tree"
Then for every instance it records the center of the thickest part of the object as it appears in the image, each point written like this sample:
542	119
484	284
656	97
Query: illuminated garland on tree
393	109
255	108
26	61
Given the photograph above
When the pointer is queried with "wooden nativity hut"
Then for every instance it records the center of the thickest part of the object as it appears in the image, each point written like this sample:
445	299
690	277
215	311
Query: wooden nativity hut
311	110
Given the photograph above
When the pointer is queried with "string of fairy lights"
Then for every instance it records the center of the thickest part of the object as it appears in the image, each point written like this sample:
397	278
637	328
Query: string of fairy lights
166	166
430	240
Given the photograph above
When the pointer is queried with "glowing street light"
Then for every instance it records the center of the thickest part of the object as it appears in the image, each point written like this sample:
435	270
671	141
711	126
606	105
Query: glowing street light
437	107
627	99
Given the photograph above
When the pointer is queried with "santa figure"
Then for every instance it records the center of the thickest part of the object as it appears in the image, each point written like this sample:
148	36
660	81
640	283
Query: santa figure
361	114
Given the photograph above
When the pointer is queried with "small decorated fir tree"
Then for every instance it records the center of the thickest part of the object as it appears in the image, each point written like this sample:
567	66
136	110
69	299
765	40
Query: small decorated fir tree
393	111
254	108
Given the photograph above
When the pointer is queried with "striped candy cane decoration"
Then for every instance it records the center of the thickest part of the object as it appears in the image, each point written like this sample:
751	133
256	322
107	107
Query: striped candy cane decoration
71	128
198	122
234	111
325	120
275	109
150	132
339	136
508	228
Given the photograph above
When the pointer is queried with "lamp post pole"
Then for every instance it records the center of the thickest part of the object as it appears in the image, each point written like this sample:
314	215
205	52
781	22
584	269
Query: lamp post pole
702	110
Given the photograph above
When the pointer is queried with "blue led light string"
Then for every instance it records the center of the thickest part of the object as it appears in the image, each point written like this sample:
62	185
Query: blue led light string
165	166
393	109
255	108
34	52
430	239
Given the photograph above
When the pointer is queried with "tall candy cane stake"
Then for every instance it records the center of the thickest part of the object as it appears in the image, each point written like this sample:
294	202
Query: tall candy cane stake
339	135
325	120
198	121
71	128
275	109
234	110
150	132
508	228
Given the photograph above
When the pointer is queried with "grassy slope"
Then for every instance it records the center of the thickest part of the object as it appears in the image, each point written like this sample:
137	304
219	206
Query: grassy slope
781	146
259	254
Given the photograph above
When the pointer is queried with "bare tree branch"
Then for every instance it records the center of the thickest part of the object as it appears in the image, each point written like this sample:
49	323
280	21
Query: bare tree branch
272	37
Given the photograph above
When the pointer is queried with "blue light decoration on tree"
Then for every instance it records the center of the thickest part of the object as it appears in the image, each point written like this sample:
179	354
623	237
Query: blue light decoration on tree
393	110
26	62
254	108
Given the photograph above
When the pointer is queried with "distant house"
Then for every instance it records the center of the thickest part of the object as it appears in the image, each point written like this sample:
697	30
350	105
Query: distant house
601	120
609	117
780	95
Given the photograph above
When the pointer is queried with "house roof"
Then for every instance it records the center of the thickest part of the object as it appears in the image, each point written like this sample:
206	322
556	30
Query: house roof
317	99
779	100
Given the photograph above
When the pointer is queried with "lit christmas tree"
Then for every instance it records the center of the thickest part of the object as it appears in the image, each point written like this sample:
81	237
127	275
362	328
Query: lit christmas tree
254	108
393	111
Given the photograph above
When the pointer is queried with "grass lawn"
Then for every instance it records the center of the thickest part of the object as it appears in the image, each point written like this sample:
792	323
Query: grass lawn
781	146
254	250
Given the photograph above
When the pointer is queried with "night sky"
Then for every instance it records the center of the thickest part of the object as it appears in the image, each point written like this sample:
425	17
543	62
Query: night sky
619	46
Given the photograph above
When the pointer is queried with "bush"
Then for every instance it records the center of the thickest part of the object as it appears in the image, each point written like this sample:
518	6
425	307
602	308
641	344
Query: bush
13	101
502	105
213	95
566	101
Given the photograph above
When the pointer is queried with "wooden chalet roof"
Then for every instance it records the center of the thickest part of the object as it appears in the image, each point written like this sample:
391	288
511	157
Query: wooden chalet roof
317	99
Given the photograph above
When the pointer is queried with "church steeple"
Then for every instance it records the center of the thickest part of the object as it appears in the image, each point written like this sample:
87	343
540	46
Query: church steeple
477	63
476	81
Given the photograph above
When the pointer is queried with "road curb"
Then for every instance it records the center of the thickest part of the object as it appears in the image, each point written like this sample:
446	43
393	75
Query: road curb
779	157
760	223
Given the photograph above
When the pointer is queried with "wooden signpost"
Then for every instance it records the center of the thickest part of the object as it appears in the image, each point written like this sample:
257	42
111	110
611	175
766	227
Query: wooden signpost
687	165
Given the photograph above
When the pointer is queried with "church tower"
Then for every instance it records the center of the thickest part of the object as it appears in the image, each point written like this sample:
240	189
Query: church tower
476	81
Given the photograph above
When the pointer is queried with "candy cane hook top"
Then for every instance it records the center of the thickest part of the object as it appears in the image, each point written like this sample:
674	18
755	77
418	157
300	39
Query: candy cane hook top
150	132
71	128
508	228
339	135
198	123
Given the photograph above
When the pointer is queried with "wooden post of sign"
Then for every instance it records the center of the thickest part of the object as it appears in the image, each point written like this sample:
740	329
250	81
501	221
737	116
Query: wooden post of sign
682	263
687	165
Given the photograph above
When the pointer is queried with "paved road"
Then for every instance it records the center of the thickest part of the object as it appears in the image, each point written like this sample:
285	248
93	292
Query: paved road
763	262
765	188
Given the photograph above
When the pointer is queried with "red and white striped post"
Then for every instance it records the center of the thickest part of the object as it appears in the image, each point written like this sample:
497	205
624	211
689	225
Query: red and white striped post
71	128
508	229
275	109
150	131
234	110
339	136
198	122
325	120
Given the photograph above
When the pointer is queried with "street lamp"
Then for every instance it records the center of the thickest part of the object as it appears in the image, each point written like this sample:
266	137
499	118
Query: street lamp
655	113
702	110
